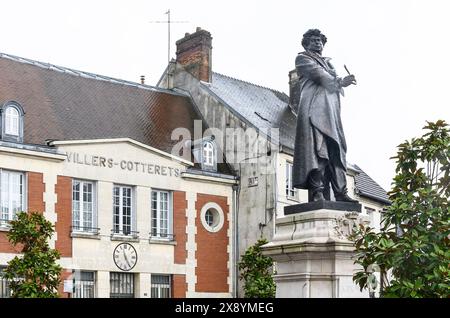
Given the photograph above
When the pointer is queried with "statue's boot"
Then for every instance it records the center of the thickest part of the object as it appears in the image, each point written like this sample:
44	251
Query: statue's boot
318	196
316	186
344	198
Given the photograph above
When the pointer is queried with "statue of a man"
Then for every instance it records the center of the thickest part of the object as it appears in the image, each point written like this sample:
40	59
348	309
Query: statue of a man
320	148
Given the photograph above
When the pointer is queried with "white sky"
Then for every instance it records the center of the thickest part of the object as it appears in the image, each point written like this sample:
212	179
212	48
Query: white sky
399	51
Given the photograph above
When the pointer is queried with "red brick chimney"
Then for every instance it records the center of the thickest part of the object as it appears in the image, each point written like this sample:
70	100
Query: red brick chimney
194	53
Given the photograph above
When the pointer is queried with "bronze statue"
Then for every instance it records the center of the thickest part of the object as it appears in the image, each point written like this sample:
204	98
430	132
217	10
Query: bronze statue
320	147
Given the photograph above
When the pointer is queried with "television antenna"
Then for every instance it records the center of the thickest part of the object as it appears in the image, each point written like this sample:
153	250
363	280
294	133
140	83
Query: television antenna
169	22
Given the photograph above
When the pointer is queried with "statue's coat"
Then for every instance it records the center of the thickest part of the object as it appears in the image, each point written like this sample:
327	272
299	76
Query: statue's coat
319	116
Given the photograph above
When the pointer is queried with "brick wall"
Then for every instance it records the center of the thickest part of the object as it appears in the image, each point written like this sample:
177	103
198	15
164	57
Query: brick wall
179	226
6	247
179	286
63	209
36	189
212	255
35	203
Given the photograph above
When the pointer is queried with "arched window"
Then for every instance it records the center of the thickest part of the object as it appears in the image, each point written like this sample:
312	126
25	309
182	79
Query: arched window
205	153
208	154
12	121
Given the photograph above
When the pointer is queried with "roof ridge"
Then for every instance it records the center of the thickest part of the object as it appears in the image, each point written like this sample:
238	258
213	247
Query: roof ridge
247	82
70	71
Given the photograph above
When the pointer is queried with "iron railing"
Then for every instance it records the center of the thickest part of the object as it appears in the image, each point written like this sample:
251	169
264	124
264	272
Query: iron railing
85	229
5	291
121	285
161	236
132	234
84	289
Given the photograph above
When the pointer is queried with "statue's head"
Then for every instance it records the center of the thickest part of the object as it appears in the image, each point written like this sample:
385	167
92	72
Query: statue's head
313	35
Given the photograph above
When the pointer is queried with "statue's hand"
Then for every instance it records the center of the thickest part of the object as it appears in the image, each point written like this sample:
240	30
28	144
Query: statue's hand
348	80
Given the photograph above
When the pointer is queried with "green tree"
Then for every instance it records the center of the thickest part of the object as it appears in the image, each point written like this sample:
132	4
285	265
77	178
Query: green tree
411	251
256	271
35	274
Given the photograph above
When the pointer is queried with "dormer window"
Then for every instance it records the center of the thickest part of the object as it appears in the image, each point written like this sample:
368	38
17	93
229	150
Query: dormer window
12	122
205	153
208	154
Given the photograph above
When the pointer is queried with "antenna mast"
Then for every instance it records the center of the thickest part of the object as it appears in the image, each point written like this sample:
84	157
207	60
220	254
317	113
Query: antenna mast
169	22
168	48
168	37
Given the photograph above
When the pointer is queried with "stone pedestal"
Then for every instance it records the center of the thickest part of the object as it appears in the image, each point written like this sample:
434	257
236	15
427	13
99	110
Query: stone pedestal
312	253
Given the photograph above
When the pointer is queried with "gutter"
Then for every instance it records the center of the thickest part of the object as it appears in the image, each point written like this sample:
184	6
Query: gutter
53	156
286	150
375	198
206	178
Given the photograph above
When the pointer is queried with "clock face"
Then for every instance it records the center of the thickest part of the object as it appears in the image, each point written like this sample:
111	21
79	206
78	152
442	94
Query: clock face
125	256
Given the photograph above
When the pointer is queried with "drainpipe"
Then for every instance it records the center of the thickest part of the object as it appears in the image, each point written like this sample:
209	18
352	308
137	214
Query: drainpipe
235	203
275	159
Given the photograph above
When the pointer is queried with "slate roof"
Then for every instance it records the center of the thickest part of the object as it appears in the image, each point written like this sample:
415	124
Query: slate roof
367	187
65	104
265	108
261	107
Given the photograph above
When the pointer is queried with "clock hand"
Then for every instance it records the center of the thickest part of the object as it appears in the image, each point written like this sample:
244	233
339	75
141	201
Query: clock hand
126	259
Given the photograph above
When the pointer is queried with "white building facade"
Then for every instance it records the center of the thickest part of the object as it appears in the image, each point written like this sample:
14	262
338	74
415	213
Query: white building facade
131	219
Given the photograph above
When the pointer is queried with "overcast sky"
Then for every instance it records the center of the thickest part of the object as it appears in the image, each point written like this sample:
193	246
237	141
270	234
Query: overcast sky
398	49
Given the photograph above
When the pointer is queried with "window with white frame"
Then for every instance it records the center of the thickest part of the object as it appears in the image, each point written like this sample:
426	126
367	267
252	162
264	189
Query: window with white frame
83	206
12	121
84	284
208	154
161	286
212	217
5	290
12	194
370	213
123	210
161	214
290	190
382	214
209	218
121	285
12	115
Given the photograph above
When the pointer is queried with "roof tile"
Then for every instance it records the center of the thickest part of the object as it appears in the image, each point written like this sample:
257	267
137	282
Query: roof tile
63	104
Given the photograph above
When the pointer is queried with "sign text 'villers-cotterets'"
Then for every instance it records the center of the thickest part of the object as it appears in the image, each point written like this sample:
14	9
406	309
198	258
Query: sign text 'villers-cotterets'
137	166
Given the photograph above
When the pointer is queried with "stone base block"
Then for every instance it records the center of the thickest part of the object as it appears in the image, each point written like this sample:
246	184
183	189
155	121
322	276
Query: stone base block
319	205
313	255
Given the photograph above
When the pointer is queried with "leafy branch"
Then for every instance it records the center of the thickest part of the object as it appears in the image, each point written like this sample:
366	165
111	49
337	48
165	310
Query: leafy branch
412	250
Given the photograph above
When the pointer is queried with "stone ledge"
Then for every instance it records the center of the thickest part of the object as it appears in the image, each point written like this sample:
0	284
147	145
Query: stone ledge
5	228
318	205
162	242
92	236
296	251
308	275
125	239
323	245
